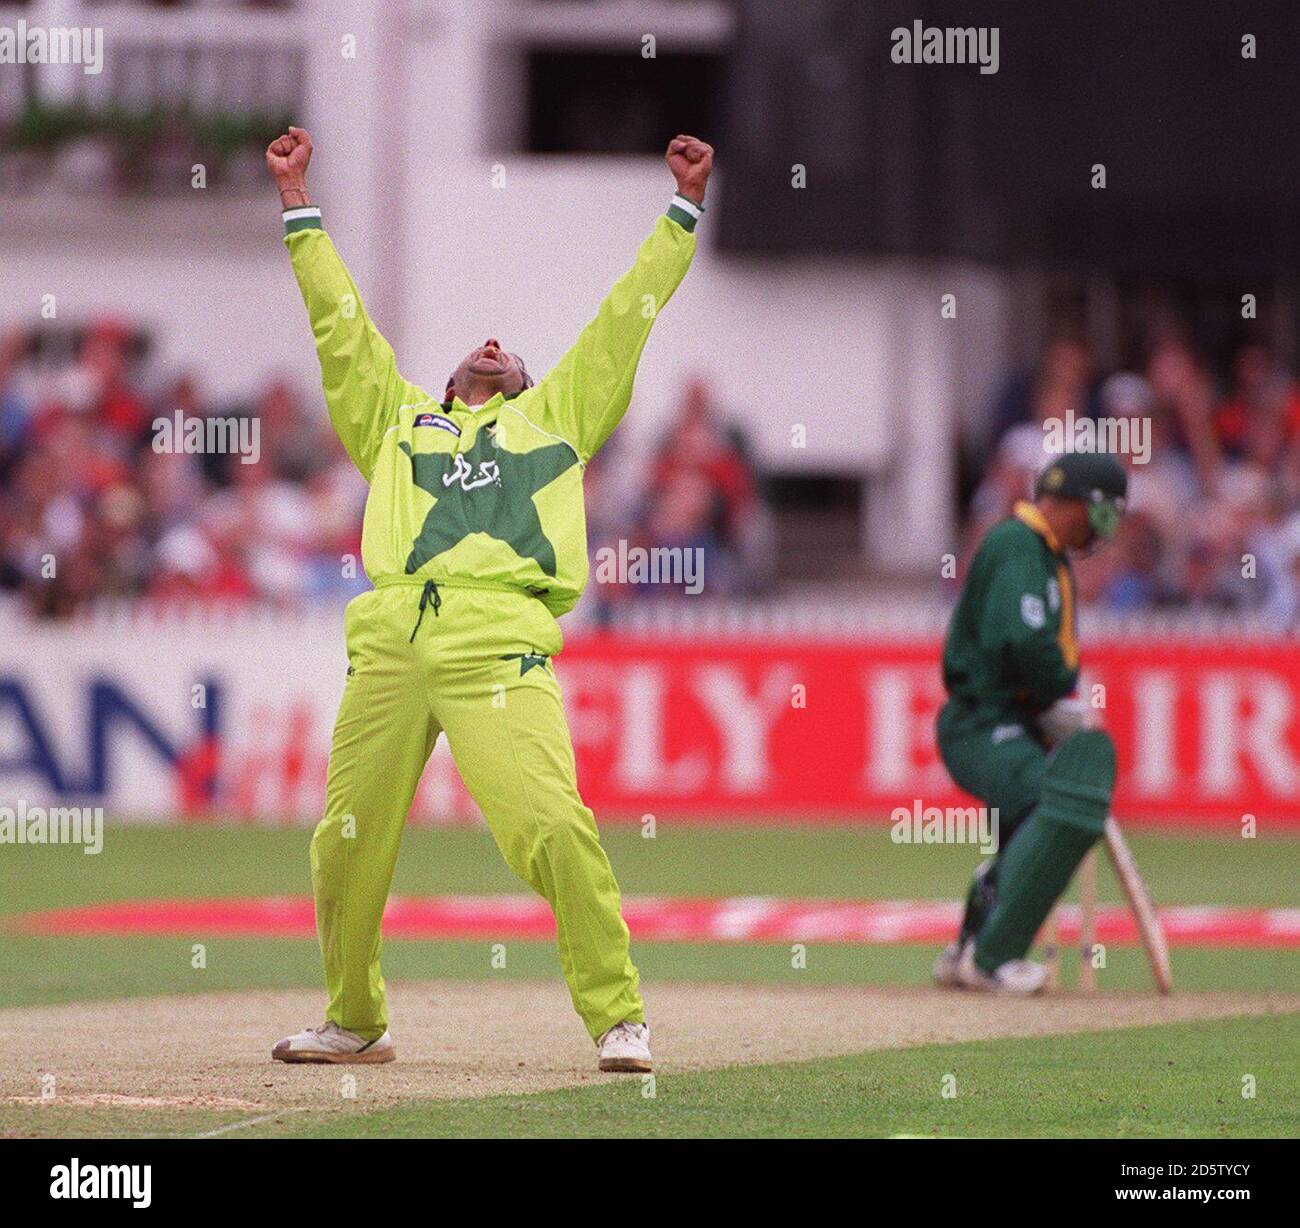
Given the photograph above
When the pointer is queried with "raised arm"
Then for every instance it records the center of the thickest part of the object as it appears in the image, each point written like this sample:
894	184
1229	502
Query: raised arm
358	371
584	397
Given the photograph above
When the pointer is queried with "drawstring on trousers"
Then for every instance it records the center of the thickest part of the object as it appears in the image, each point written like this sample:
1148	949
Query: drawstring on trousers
430	588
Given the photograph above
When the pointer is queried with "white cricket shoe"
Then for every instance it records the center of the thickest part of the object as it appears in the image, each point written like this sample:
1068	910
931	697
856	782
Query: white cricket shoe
947	968
331	1043
626	1048
1020	977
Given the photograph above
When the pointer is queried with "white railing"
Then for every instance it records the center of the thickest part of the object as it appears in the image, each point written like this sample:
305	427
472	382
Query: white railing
211	58
827	618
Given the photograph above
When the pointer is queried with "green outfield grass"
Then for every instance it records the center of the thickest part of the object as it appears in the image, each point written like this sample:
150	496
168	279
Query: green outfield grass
721	859
842	861
45	971
1167	1081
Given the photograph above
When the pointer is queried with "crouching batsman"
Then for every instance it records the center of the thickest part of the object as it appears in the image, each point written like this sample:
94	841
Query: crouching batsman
475	539
1011	733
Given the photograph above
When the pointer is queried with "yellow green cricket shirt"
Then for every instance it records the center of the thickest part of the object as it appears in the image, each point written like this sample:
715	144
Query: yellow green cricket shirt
490	494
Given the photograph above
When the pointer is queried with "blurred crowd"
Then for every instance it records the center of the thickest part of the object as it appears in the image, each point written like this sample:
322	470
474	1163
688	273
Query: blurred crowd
700	493
90	510
1213	520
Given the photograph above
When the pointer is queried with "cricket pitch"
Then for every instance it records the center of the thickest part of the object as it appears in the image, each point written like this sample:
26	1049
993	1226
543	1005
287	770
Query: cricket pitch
470	1039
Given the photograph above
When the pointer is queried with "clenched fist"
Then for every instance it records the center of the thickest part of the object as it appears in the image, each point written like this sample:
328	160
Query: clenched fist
287	157
690	161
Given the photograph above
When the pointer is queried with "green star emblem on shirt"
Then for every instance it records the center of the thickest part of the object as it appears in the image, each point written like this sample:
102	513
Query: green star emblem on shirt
486	490
527	660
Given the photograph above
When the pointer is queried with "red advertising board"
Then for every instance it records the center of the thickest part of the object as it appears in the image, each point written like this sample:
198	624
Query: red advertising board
1207	730
827	728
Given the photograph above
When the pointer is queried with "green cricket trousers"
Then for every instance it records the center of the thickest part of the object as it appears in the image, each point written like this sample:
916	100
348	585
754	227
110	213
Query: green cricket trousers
473	662
1052	805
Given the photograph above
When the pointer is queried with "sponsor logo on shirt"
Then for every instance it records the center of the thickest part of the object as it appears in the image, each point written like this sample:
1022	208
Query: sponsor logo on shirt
443	424
1032	610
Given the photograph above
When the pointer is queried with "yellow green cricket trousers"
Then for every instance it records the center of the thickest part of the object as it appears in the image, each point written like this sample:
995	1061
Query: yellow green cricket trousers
473	662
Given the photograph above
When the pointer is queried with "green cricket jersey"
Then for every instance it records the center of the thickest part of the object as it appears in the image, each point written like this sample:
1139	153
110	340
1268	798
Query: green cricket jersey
1011	644
489	495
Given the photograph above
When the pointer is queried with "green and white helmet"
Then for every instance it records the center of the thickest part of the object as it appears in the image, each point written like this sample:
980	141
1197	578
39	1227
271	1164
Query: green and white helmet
1095	478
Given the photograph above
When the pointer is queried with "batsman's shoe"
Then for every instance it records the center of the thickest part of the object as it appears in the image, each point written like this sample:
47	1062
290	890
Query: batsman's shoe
947	968
1021	977
331	1043
626	1048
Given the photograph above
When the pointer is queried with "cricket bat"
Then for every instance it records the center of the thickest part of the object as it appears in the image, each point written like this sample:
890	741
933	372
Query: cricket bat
1144	909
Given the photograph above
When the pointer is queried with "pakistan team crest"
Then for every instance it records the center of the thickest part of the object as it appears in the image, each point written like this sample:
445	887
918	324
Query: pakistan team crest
486	490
